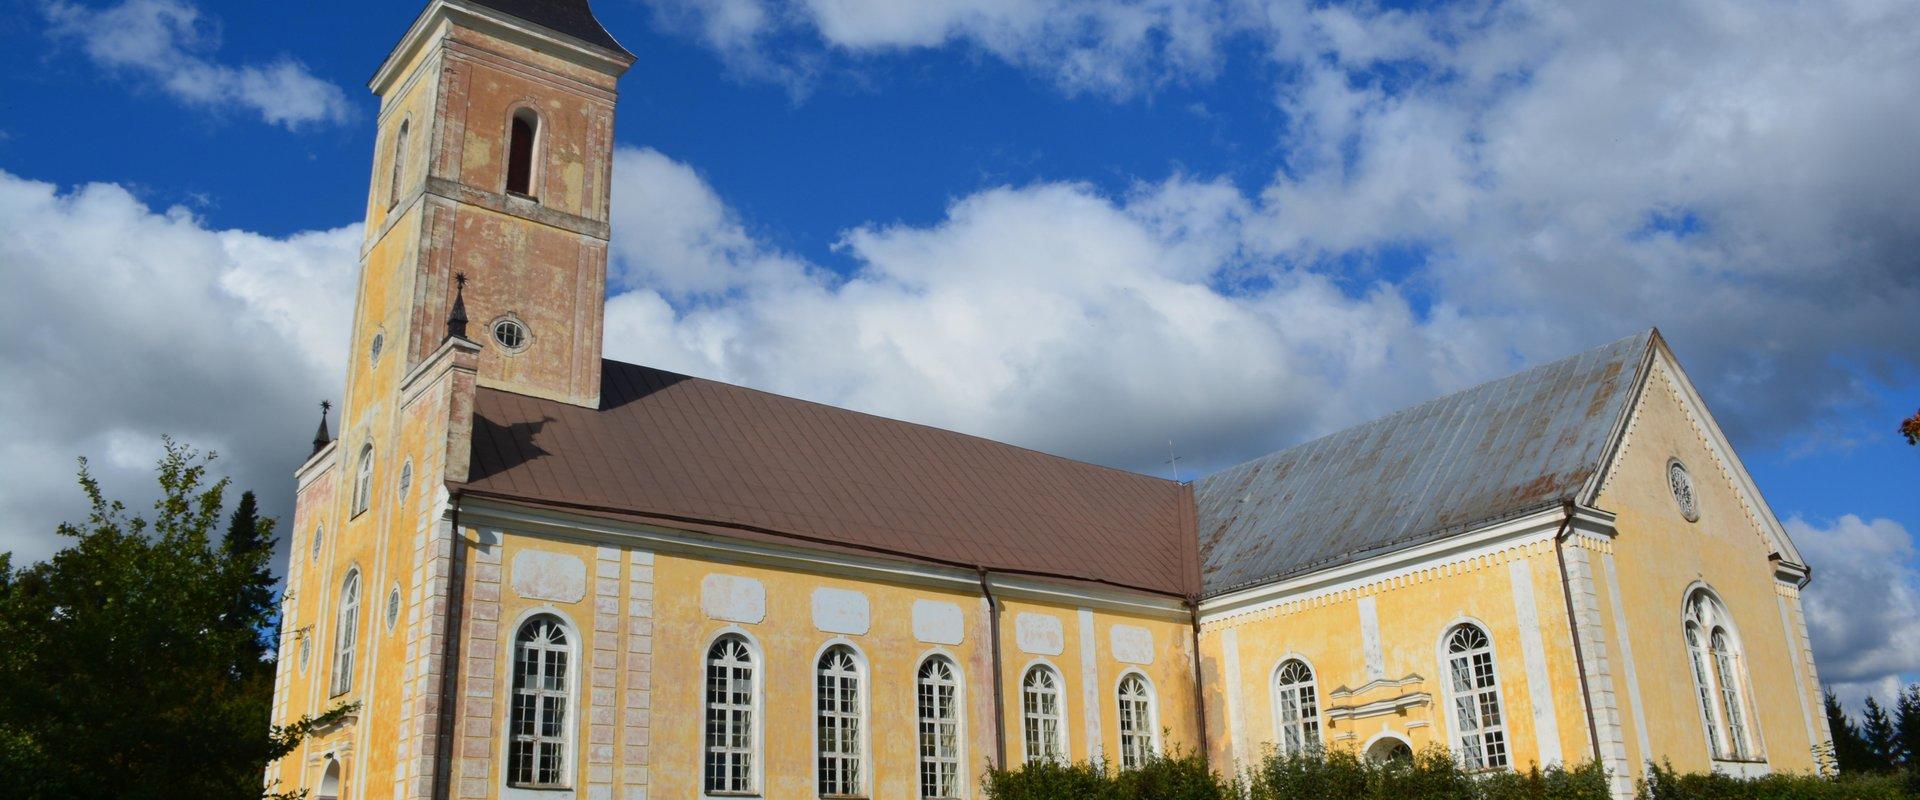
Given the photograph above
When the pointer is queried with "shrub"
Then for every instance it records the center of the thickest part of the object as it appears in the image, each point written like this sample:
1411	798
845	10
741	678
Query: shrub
1662	783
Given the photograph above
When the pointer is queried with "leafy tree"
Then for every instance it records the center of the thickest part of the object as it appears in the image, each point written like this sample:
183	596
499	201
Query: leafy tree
1877	729
1910	428
1850	751
134	660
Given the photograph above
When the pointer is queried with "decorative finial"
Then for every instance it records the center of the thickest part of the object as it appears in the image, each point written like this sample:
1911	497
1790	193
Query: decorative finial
321	438
457	321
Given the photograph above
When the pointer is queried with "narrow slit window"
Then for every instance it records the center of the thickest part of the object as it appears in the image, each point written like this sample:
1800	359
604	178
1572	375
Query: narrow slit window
523	134
399	164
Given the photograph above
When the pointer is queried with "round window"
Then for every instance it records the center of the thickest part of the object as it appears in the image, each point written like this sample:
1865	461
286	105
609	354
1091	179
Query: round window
510	334
393	606
1682	485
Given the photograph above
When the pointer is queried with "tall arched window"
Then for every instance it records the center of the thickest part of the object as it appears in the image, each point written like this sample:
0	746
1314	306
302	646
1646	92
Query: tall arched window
731	735
542	695
839	710
1137	721
346	630
1296	707
1041	718
1719	678
399	163
522	136
363	480
1479	726
938	703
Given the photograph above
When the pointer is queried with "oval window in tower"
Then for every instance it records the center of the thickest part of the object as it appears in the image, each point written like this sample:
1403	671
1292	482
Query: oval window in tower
510	334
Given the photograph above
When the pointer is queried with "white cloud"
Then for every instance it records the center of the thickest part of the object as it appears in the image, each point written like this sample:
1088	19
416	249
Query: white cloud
126	324
1862	604
167	42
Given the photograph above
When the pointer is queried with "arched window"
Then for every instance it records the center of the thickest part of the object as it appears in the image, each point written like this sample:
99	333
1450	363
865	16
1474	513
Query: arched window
542	695
399	163
939	711
346	630
1719	679
731	735
1479	726
1137	721
363	480
1041	717
1296	707
329	788
522	136
839	711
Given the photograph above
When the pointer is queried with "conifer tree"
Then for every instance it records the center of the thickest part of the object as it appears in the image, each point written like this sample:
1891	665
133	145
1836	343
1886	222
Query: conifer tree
132	659
1849	749
248	546
1906	725
1876	728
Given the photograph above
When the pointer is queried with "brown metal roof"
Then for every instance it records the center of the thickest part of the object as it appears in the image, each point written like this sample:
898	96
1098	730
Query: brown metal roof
715	455
571	17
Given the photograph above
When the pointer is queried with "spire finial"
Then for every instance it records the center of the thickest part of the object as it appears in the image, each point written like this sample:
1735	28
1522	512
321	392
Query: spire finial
321	438
457	321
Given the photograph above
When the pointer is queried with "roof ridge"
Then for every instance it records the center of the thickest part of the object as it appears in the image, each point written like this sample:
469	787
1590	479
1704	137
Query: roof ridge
896	420
1647	334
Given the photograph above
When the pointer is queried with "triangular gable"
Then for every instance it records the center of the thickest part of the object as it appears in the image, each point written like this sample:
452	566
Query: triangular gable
1659	360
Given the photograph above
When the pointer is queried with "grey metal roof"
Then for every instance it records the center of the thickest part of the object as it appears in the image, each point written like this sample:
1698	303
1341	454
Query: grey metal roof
1495	451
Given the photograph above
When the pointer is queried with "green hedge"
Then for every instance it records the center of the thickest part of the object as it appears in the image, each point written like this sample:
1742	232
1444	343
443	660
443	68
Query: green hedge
1431	775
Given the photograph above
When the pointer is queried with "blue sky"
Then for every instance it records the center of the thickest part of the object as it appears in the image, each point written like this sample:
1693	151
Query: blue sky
1232	224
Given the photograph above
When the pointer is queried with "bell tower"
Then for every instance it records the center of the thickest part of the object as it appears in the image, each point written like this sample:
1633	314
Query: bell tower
494	154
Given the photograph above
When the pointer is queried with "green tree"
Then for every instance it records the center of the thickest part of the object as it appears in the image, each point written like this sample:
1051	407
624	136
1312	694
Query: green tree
248	546
1906	726
1877	729
1850	752
134	662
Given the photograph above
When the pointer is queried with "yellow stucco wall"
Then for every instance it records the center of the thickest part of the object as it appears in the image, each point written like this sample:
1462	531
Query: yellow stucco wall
1414	612
1658	555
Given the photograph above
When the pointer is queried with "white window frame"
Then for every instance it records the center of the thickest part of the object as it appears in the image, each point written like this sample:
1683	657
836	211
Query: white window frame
1716	662
1145	744
1307	725
363	481
346	634
1029	716
756	708
568	699
1457	736
957	719
858	717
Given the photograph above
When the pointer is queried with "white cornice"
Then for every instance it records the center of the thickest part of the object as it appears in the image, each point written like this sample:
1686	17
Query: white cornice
469	15
1537	526
488	512
319	462
412	384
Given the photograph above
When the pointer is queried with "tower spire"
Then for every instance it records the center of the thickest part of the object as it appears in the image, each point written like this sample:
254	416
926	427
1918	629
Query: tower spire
322	438
457	321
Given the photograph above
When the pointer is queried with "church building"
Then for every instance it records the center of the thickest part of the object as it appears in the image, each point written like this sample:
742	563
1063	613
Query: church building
538	574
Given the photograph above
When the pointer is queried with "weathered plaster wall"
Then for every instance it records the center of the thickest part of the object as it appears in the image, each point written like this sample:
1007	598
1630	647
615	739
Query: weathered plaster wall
1657	556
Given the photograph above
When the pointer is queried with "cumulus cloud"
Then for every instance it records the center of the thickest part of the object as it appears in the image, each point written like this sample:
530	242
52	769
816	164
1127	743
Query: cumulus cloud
1862	604
169	44
125	324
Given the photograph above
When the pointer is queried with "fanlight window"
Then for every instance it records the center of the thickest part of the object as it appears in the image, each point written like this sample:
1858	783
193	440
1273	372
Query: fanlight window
542	694
521	139
363	480
1479	726
939	711
730	717
1297	707
1719	677
1137	723
1041	716
345	633
839	714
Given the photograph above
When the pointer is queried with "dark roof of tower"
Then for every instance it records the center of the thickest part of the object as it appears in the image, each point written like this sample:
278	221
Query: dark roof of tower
571	17
1496	451
709	456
